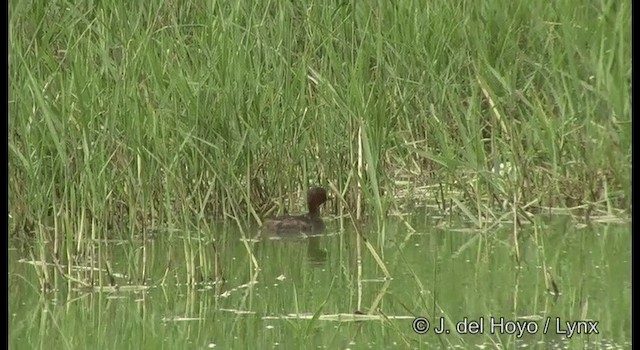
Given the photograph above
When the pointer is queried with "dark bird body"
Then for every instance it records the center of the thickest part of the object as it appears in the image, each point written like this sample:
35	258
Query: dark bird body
309	223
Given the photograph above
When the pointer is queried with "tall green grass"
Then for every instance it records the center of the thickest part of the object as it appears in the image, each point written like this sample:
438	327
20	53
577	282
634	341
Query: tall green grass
147	115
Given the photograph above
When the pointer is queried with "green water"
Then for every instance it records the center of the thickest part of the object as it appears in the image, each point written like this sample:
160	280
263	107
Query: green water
305	296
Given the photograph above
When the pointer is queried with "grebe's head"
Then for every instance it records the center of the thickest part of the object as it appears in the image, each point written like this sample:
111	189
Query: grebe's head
316	196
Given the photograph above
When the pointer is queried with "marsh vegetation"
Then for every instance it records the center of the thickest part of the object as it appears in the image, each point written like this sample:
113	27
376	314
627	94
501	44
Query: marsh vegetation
477	155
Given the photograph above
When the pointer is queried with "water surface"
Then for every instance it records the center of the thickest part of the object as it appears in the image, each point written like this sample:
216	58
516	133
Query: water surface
328	293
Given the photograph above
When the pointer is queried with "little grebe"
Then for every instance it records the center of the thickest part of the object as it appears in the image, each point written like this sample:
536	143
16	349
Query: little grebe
310	223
